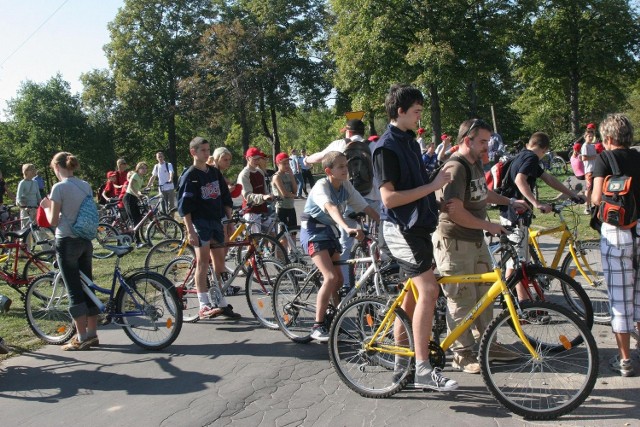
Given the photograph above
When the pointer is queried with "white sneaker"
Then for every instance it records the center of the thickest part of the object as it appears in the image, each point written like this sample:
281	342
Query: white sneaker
434	380
320	333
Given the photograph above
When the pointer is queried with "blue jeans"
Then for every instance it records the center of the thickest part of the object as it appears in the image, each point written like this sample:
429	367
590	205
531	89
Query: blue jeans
300	182
74	255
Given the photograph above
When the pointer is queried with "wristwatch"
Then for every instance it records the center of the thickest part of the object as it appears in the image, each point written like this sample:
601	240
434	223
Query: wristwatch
512	201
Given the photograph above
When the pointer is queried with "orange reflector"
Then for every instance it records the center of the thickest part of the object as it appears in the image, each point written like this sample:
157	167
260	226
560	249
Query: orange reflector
260	303
369	320
572	272
62	329
169	323
286	318
565	342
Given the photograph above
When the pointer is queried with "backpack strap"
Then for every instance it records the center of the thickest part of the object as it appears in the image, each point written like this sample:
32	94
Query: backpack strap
613	163
466	167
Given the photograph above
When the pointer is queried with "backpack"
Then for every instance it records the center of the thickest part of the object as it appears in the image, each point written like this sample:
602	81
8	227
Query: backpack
498	178
618	206
86	223
360	166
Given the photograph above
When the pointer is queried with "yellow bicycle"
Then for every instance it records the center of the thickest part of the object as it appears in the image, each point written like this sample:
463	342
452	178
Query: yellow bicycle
555	356
583	262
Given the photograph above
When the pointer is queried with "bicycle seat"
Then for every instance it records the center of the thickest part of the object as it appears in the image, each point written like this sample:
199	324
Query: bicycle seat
120	251
20	234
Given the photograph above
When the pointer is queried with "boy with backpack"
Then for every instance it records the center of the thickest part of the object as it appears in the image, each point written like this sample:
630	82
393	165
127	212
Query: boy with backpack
616	171
360	167
519	177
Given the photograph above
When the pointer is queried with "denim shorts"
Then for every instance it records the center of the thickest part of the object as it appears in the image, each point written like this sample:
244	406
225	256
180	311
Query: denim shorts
314	240
209	230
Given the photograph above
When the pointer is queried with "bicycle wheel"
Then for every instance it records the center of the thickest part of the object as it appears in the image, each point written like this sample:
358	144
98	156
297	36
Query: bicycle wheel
259	289
163	252
181	272
558	288
151	315
296	254
107	235
558	166
163	229
548	387
353	355
46	306
39	263
590	259
294	301
360	250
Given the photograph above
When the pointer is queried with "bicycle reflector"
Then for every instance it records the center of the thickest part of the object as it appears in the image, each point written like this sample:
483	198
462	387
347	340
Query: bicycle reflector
169	323
565	342
370	320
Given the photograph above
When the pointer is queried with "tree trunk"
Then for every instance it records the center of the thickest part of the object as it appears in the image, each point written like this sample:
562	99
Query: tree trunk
276	137
263	119
436	113
473	99
171	133
372	122
246	129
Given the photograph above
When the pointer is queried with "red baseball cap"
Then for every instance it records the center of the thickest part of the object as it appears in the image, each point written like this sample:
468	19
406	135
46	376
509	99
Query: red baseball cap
373	138
591	126
281	156
444	136
111	174
254	152
577	146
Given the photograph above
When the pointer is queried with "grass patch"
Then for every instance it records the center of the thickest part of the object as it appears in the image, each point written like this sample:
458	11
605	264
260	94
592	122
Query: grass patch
13	325
574	216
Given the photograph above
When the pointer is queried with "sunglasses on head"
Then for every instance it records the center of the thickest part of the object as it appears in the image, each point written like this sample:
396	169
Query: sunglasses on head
477	123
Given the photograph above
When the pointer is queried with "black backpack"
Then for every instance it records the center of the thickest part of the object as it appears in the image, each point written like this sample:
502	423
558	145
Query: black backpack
101	199
360	166
618	206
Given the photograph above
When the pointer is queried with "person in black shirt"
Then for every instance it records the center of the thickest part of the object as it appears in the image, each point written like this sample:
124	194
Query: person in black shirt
619	247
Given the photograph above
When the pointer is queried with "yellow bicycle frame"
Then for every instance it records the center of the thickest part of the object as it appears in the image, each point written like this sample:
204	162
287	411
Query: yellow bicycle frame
498	287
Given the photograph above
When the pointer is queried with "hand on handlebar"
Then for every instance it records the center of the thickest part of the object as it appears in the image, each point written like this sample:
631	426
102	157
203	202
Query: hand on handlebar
355	232
496	229
579	199
544	207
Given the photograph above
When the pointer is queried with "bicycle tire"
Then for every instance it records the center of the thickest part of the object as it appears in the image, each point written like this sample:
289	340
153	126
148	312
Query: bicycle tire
160	313
39	263
589	253
294	301
163	228
558	166
181	272
107	234
259	291
46	306
359	250
163	252
558	288
551	386
367	372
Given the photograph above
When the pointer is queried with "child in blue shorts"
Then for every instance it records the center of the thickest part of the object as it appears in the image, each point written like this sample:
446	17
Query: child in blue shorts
319	232
203	201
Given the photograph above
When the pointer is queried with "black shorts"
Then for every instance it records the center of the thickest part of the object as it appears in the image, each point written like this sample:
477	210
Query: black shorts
209	230
289	217
413	251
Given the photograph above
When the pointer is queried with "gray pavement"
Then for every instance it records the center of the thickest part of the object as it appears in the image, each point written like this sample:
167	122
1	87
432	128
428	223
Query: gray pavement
223	372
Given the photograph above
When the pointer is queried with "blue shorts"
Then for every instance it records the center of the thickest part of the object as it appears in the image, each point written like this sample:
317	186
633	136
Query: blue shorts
314	240
209	230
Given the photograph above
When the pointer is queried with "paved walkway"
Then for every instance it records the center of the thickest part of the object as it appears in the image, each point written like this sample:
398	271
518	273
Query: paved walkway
223	372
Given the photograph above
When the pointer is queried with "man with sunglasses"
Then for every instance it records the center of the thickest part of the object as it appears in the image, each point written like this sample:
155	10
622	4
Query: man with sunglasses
459	245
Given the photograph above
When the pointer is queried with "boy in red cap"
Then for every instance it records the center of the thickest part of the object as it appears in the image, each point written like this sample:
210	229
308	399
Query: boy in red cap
285	187
254	187
110	191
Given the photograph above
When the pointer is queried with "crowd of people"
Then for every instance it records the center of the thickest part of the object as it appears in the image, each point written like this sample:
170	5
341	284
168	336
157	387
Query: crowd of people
430	201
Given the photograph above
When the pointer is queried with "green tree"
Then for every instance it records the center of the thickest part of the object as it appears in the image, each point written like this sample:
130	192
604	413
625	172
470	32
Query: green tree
151	50
576	61
44	119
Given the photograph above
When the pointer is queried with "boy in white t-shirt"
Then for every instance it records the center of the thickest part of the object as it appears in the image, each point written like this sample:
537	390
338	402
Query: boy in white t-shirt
164	172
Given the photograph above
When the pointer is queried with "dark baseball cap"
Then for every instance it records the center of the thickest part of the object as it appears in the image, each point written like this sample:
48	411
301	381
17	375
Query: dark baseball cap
355	126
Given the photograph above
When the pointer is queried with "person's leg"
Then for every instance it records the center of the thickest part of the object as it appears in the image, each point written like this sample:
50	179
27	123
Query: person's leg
617	267
331	281
202	269
300	183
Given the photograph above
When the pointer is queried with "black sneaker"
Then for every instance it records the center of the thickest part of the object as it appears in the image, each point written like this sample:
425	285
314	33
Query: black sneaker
535	317
228	312
233	290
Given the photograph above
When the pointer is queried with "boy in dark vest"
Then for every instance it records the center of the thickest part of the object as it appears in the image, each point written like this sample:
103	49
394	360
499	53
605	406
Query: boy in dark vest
410	215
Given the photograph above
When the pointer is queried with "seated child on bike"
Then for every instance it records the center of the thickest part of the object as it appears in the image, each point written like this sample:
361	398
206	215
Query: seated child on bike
323	213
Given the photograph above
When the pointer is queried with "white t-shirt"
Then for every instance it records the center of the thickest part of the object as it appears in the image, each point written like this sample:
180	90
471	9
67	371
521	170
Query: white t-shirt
163	172
588	150
323	193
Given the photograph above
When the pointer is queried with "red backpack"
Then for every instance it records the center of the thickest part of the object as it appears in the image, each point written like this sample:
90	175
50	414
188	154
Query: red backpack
618	206
498	177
